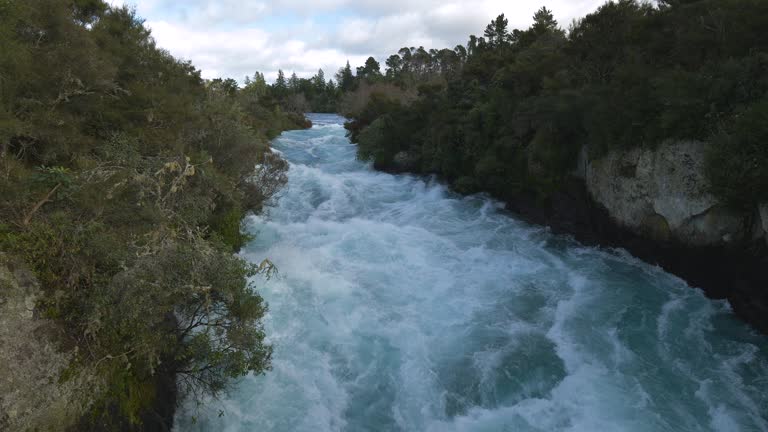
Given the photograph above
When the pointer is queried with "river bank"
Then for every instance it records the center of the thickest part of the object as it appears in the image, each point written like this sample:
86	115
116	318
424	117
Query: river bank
733	272
655	204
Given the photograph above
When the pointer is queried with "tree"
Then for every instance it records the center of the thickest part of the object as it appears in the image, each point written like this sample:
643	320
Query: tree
228	86
345	78
675	3
461	52
471	45
421	62
394	66
372	67
544	21
319	81
258	78
496	32
88	11
406	54
281	85
370	71
256	86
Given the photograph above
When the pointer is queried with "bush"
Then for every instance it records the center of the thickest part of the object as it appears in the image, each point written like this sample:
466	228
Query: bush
737	163
123	183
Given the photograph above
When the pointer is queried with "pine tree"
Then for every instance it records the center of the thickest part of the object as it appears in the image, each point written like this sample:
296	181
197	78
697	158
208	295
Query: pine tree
320	80
544	21
281	86
496	32
345	78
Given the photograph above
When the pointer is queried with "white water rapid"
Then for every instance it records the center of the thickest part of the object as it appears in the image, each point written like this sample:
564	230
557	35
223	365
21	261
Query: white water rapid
401	306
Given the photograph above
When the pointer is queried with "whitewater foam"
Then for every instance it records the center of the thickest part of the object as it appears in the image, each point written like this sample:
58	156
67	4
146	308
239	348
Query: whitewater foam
402	306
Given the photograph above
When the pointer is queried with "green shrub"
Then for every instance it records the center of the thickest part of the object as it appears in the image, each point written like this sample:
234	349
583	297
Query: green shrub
737	163
123	183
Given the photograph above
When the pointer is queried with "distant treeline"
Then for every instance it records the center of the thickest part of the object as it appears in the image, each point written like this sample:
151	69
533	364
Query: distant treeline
303	95
124	178
511	110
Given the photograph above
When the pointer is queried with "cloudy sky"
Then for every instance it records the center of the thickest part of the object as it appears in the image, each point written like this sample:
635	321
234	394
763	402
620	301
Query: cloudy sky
234	38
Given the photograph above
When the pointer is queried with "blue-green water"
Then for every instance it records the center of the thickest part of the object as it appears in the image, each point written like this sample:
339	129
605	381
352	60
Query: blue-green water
404	307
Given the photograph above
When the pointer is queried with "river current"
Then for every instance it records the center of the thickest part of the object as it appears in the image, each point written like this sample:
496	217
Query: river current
401	306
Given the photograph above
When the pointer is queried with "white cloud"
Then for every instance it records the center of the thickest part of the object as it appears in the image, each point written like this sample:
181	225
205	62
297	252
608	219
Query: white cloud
240	52
235	38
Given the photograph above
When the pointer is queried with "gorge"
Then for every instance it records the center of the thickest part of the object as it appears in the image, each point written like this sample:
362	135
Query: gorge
404	306
557	224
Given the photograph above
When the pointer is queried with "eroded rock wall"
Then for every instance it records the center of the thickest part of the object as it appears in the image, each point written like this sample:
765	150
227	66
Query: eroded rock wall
34	396
663	194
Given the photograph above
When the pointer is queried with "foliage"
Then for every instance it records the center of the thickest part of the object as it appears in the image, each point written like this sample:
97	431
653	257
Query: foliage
510	111
124	178
737	163
294	94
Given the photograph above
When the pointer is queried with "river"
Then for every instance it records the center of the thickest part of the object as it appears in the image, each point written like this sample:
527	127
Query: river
401	306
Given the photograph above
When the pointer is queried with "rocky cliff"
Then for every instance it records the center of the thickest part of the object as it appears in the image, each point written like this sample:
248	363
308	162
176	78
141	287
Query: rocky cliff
36	396
762	228
663	194
656	204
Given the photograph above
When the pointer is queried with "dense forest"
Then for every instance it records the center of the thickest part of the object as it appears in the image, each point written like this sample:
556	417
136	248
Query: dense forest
511	110
124	178
315	94
301	95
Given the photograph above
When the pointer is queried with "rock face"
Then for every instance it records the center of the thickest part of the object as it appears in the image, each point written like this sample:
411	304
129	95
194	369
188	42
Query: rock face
404	162
763	212
662	194
737	272
655	204
33	395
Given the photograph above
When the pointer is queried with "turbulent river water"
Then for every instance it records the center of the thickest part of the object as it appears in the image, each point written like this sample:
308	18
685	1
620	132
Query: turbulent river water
401	306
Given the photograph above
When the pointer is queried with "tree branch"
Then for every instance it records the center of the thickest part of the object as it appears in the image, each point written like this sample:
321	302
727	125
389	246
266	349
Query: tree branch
40	203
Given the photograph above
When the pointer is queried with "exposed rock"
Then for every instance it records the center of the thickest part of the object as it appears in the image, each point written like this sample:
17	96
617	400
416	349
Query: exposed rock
716	225
535	167
34	397
737	272
404	162
656	204
621	183
656	227
582	161
640	187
